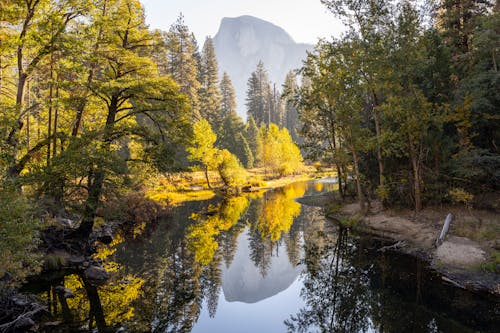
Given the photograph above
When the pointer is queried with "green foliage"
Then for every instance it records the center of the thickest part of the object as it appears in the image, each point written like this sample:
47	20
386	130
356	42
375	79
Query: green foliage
416	101
231	138
203	151
182	62
18	238
209	93
202	148
252	136
493	264
228	97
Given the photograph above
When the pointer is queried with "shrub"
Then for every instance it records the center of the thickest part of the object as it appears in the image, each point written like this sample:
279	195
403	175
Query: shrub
18	238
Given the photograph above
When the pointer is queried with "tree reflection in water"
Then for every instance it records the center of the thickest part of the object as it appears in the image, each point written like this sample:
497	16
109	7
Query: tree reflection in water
335	292
164	275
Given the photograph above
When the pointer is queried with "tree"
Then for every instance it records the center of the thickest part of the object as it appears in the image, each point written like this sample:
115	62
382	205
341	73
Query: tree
129	87
230	169
278	152
291	117
228	97
202	149
183	64
209	93
369	23
259	96
252	136
42	27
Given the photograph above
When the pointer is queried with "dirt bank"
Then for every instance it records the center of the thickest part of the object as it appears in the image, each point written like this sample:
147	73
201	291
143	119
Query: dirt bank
460	259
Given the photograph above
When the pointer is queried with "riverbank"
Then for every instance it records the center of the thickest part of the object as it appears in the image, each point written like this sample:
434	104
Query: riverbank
468	257
192	186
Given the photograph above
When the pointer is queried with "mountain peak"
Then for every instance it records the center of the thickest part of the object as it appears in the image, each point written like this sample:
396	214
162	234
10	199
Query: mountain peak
243	41
260	26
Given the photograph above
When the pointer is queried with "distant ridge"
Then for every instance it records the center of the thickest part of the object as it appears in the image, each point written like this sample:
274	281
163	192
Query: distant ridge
243	41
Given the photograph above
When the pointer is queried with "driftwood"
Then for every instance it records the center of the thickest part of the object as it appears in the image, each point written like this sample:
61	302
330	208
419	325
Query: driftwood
444	231
24	320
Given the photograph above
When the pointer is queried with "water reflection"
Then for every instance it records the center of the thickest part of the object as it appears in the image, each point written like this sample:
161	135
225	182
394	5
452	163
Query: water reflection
259	263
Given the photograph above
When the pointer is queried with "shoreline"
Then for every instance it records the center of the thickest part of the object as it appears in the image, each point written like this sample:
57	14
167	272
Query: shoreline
459	260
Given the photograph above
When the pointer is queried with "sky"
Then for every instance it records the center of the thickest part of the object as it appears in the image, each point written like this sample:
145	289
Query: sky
304	20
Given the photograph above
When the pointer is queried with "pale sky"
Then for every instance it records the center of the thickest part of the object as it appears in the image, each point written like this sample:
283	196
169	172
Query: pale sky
304	20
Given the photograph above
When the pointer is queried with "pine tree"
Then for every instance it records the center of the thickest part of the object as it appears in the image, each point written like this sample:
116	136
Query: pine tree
252	137
291	117
259	95
183	63
228	100
209	93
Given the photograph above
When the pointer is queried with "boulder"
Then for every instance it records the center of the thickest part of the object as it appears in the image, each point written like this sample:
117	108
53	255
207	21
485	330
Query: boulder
96	275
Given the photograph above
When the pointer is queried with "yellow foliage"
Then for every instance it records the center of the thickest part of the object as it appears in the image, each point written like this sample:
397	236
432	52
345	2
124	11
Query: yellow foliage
279	211
461	196
201	236
116	298
278	152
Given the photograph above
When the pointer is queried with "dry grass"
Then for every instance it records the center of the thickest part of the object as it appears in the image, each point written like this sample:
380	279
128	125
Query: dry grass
174	189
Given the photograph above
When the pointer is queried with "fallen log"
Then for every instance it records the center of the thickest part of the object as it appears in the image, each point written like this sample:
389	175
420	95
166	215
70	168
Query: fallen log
444	231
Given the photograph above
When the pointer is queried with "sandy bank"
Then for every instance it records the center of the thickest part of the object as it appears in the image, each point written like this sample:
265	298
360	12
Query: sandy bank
459	259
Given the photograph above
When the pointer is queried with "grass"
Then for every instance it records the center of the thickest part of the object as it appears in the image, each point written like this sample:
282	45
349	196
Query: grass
493	264
479	228
177	197
192	186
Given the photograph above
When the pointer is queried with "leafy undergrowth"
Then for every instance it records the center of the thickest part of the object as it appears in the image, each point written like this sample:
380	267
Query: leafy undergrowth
493	264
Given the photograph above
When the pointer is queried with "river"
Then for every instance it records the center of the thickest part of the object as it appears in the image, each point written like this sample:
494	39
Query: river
261	263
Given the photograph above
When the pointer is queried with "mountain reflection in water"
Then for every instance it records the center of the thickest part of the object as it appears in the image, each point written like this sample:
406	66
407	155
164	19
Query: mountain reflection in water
261	263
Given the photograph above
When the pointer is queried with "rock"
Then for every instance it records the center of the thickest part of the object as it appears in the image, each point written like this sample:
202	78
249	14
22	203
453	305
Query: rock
67	223
51	324
19	301
64	292
96	275
76	260
105	235
7	277
24	323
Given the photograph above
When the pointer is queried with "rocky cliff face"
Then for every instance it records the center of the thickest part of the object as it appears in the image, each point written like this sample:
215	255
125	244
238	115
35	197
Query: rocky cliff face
242	42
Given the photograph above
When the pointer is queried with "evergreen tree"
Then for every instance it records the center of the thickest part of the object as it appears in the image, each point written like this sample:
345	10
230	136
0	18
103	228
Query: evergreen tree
259	95
252	137
228	100
209	93
183	63
458	19
231	138
291	116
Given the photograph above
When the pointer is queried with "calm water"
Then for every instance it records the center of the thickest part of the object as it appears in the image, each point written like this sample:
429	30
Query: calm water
263	263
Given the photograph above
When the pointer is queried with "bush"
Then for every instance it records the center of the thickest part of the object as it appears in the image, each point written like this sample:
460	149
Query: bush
230	169
18	238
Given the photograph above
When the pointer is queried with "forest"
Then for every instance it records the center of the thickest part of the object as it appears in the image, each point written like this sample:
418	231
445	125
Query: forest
409	100
97	109
95	105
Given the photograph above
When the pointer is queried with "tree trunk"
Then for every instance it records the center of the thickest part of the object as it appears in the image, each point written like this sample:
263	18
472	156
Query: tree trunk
378	132
415	162
206	177
56	116
51	87
96	311
96	177
361	197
